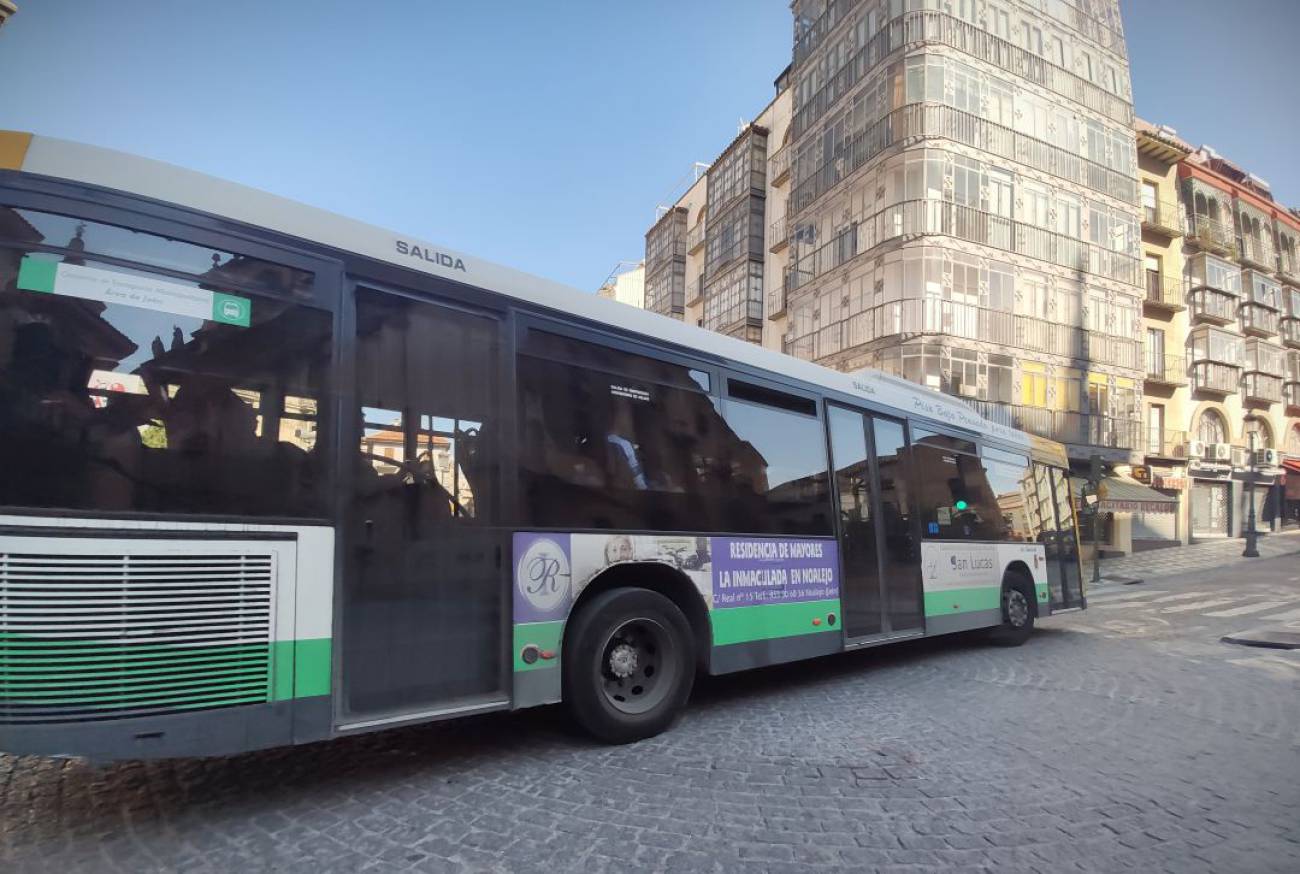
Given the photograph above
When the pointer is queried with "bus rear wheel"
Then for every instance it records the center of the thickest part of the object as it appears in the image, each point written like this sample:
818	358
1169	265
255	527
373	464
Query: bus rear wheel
628	664
1017	612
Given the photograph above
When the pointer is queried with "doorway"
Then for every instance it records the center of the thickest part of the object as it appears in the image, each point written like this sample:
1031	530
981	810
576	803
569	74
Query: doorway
424	602
881	589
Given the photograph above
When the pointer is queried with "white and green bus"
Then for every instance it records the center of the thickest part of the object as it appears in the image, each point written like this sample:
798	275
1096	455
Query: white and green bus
273	476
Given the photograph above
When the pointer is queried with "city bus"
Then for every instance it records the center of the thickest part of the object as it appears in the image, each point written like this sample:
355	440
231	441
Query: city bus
273	476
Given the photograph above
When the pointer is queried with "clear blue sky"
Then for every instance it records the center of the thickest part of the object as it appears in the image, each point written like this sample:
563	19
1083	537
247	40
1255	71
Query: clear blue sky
537	134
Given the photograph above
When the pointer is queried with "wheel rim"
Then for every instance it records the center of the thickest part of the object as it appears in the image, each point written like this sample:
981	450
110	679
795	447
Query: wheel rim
1017	608
638	666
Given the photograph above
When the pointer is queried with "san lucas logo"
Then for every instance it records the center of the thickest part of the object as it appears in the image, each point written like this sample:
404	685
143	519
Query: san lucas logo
542	575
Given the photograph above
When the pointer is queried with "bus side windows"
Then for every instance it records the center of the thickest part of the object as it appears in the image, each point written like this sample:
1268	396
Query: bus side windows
611	439
957	499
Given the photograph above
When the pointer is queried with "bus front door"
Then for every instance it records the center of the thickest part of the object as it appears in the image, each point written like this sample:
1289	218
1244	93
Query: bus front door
1061	540
880	591
423	598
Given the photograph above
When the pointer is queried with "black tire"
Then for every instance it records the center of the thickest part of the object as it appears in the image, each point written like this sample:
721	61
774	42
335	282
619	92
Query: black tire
628	664
1018	611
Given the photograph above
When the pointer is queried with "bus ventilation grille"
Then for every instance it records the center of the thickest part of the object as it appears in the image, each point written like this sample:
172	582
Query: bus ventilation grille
90	637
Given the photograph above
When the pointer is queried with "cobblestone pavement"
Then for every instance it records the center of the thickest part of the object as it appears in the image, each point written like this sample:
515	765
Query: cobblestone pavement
1123	737
1205	555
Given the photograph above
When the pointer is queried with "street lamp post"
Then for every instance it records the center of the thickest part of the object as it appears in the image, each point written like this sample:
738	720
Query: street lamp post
1251	551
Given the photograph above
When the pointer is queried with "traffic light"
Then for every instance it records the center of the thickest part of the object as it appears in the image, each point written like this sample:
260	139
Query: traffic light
1094	470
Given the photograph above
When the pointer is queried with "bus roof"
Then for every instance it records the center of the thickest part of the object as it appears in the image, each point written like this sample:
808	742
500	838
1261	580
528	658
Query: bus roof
107	168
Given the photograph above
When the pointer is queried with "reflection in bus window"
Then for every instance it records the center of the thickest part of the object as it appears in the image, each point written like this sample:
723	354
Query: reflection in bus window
157	406
1011	479
641	446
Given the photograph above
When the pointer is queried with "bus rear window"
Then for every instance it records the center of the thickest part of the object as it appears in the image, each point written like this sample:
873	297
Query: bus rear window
123	390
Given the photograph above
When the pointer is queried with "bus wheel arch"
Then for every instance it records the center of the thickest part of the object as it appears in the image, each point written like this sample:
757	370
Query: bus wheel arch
667	581
629	655
1021	570
1018	607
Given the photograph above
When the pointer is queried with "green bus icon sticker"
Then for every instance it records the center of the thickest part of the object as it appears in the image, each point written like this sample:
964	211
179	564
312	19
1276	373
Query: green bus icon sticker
230	309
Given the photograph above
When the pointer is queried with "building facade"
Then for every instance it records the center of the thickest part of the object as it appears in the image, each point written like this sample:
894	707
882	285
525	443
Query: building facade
1165	322
952	198
712	254
1235	321
626	284
964	208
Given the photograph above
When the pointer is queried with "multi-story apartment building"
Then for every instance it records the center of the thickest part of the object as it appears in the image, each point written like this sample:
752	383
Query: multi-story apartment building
1222	336
1243	341
952	197
1165	320
710	256
965	208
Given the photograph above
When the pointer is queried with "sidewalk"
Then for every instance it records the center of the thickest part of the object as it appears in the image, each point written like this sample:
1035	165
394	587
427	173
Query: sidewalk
1183	559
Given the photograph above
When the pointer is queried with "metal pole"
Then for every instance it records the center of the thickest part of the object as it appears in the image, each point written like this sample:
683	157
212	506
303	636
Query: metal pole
1096	543
1250	551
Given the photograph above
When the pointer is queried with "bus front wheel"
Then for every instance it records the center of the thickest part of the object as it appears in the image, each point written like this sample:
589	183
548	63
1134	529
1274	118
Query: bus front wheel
628	664
1017	612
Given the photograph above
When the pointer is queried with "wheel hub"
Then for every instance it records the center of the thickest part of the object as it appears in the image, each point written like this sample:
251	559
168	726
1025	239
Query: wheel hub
1017	608
622	661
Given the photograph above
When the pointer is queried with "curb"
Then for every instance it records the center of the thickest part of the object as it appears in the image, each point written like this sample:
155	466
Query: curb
1265	637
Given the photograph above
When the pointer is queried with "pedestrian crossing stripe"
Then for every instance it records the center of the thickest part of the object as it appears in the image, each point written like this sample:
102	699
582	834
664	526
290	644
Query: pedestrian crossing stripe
1247	609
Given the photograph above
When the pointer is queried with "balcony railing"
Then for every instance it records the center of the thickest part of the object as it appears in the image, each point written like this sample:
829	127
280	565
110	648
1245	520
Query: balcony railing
695	291
1212	305
925	26
1164	292
1164	443
913	219
695	238
778	166
1262	388
1257	319
930	120
1258	253
778	237
1164	218
1215	377
1290	331
1080	429
1166	369
1211	235
913	317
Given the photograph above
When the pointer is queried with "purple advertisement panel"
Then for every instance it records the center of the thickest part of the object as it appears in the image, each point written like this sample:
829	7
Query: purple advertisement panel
773	570
543	577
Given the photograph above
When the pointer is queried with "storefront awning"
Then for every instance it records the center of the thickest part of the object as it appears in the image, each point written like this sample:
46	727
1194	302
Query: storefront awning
1119	495
1292	464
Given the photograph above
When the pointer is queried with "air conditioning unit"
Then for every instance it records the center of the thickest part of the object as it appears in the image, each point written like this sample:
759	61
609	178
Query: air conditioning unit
1267	458
1240	456
1195	449
1219	452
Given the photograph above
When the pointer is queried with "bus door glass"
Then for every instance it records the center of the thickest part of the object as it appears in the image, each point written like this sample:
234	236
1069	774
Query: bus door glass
423	597
1052	514
1067	542
881	590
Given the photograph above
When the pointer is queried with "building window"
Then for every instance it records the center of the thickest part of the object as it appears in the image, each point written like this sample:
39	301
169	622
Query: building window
1212	428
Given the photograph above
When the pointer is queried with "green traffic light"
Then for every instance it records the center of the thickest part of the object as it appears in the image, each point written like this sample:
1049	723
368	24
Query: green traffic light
961	505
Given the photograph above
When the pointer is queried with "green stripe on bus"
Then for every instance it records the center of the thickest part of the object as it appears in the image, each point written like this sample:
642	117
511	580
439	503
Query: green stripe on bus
311	666
545	636
97	672
948	601
766	621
